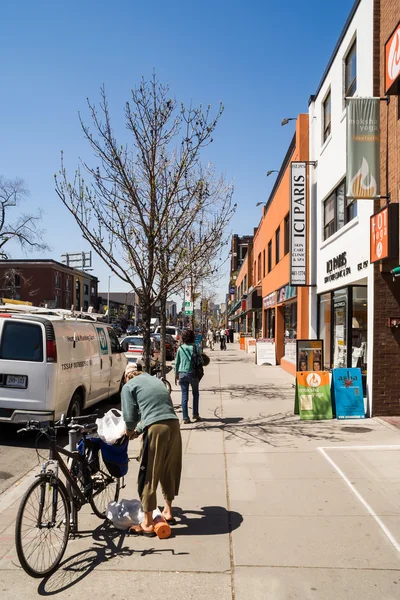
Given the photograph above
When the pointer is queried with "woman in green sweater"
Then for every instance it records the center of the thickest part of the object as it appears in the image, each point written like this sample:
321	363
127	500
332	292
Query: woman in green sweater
185	375
147	409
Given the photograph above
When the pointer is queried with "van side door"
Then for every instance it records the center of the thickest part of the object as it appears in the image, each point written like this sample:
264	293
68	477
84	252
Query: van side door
104	351
117	361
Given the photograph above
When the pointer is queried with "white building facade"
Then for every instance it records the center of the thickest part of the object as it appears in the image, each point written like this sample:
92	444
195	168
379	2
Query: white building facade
341	302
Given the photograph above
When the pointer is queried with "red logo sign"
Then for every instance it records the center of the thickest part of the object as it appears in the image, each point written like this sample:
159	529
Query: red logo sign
392	70
379	241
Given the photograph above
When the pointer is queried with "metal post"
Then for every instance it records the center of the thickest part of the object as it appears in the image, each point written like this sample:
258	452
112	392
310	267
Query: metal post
72	443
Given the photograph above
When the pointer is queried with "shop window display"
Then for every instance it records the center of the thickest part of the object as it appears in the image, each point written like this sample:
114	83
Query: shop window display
359	328
340	303
290	330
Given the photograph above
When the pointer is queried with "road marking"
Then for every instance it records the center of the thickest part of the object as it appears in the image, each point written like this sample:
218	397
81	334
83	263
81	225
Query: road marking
354	490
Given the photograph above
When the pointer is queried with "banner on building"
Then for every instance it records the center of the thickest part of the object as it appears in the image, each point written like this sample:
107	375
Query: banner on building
363	148
313	396
347	394
384	233
392	63
298	223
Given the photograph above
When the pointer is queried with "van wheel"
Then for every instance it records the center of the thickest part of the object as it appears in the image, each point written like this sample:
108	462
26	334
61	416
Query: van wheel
75	407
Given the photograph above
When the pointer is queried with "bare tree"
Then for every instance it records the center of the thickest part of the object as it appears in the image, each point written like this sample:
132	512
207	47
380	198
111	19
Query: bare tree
135	190
24	230
13	281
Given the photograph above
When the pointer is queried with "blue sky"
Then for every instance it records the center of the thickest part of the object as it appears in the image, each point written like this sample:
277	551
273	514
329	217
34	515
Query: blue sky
262	59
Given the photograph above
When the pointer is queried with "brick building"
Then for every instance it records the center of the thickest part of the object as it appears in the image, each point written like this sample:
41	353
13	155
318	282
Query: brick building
386	355
48	282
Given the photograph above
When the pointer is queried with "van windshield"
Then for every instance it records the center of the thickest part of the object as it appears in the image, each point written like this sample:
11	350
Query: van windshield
171	330
21	341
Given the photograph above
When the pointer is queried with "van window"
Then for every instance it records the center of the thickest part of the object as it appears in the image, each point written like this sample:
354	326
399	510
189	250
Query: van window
115	347
170	330
21	341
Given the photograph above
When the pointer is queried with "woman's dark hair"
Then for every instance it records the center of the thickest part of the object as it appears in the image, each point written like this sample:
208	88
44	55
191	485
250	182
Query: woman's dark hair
188	336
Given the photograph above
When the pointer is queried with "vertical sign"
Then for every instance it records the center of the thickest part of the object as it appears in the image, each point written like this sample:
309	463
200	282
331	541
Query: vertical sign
384	233
392	63
363	148
298	223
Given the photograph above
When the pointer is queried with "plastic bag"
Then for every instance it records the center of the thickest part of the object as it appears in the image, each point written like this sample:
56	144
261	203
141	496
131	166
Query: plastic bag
111	427
125	513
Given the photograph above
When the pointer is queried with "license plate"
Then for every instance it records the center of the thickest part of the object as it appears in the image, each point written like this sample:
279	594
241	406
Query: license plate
17	381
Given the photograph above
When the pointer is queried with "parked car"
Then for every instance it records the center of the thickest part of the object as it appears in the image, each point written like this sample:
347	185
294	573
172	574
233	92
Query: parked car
52	364
170	345
133	348
132	330
171	330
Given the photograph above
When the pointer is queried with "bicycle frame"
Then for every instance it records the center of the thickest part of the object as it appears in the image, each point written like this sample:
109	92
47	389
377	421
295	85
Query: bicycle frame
56	460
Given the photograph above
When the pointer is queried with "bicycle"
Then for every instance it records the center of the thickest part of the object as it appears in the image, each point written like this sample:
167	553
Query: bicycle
48	512
157	372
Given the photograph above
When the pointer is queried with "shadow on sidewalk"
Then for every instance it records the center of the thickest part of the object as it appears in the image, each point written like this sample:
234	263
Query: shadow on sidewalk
213	520
109	543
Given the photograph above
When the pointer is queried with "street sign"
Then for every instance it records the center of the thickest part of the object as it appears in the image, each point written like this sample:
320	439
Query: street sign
231	291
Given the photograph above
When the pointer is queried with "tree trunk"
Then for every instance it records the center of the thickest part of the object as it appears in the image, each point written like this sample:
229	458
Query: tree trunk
163	325
146	312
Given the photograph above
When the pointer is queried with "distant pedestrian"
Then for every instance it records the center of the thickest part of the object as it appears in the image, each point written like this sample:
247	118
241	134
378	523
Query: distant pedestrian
227	335
210	339
185	375
231	334
222	337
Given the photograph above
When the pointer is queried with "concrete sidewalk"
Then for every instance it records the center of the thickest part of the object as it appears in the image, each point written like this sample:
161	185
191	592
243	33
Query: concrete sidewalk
270	508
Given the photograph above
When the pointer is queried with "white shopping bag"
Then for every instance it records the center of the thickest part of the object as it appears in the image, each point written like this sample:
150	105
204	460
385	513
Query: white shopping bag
111	427
125	513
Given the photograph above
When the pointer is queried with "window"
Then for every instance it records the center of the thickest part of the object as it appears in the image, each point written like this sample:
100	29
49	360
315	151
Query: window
327	116
115	347
17	280
269	256
85	289
277	244
58	280
68	283
325	327
287	235
264	263
259	267
338	210
245	283
350	72
12	349
93	290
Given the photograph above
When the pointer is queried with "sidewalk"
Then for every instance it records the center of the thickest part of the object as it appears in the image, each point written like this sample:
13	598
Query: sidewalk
264	514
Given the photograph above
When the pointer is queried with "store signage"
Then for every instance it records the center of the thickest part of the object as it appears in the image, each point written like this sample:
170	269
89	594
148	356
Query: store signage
231	291
269	300
265	352
244	304
337	268
347	394
286	293
392	63
363	148
313	396
384	233
298	223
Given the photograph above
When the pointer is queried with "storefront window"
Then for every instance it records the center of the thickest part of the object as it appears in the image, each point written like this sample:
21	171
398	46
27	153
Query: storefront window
290	331
325	327
340	305
271	323
359	328
291	321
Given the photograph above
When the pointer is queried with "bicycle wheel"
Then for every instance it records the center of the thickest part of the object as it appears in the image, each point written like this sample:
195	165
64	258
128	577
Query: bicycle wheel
42	526
105	489
167	384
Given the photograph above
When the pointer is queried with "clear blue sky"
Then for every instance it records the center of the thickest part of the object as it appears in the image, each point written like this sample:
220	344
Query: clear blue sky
263	59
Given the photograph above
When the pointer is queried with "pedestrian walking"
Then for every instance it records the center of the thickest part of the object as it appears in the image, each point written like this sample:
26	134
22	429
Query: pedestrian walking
227	335
231	334
147	409
210	339
222	337
185	375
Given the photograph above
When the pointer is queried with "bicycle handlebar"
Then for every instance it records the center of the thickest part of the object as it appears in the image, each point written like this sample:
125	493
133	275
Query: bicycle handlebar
71	423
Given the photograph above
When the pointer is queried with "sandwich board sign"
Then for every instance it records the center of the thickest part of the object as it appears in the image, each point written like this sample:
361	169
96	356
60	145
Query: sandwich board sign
347	393
313	396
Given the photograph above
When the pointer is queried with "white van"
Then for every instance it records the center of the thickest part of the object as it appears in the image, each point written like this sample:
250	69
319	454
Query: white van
53	363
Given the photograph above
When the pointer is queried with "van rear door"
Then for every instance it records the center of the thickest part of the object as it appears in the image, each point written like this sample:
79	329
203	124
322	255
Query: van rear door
23	369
